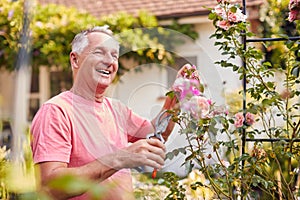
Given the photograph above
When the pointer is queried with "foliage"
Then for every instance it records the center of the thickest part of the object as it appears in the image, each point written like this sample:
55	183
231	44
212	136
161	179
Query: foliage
147	188
275	24
20	168
53	28
177	191
214	134
3	166
10	26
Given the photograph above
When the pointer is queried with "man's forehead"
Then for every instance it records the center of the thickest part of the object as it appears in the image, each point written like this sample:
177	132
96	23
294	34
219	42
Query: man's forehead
102	38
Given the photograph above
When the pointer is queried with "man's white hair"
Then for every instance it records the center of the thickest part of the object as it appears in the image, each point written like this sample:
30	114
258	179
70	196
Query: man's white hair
80	40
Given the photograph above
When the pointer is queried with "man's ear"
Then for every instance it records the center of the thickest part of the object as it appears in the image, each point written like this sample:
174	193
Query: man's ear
74	60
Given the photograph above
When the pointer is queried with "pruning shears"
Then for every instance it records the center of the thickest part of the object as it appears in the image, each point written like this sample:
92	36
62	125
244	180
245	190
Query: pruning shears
161	125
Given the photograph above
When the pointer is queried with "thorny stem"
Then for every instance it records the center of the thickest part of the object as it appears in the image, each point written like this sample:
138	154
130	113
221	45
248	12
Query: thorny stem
190	144
226	173
215	187
233	150
281	174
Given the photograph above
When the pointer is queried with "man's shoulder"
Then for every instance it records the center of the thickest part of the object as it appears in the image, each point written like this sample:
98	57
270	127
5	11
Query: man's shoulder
60	99
54	106
115	103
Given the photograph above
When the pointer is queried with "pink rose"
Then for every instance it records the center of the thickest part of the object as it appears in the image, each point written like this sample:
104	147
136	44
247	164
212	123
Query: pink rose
226	112
294	7
249	119
236	17
294	4
186	87
220	11
191	72
209	101
239	120
187	106
232	17
293	15
180	86
199	107
224	24
195	91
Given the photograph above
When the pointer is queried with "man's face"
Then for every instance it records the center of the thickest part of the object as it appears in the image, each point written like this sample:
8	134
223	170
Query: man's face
98	63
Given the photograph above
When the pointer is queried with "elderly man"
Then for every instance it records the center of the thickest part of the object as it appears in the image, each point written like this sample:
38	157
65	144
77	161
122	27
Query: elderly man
82	132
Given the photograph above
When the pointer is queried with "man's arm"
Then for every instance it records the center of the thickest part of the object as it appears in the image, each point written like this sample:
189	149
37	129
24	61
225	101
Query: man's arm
146	152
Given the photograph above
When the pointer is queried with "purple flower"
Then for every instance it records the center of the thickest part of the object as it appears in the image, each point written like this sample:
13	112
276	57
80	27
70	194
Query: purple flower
10	14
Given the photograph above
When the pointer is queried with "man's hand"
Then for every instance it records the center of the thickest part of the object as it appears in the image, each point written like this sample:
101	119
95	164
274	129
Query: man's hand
146	152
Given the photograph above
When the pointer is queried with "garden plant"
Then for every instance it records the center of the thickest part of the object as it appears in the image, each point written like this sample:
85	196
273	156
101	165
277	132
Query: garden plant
266	168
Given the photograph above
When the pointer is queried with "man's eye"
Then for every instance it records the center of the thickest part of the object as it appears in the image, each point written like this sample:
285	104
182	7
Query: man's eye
98	52
115	56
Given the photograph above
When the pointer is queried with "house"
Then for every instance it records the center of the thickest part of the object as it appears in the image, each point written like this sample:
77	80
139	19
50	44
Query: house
146	89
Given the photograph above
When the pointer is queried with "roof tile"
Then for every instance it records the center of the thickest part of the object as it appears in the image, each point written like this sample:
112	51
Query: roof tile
162	9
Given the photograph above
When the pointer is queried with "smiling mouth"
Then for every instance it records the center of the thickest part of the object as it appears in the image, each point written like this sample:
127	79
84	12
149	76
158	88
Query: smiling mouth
105	72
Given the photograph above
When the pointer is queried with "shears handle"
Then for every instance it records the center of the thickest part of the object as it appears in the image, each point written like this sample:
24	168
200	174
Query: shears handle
160	126
158	136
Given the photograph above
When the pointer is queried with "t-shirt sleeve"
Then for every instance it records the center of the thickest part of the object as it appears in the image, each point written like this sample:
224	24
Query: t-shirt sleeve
137	127
51	139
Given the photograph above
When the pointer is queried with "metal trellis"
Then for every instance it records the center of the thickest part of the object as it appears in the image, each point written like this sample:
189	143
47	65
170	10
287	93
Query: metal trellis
244	136
245	41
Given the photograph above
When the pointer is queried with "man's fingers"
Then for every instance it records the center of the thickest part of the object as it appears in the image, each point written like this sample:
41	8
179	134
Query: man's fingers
147	152
156	142
156	158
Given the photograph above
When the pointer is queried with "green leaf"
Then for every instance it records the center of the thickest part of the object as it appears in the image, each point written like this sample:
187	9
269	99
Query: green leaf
267	102
295	71
233	9
170	155
70	184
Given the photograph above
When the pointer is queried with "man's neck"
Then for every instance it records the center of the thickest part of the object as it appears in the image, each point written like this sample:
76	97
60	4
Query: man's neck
97	96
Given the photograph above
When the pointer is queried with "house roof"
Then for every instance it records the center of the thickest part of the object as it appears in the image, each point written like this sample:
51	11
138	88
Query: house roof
162	9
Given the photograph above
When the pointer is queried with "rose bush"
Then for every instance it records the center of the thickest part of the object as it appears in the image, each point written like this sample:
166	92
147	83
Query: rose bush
200	119
217	147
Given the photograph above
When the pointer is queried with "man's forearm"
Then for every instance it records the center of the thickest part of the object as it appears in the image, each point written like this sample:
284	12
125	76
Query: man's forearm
97	171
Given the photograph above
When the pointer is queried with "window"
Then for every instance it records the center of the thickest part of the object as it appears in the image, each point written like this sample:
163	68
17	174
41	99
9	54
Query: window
60	81
34	98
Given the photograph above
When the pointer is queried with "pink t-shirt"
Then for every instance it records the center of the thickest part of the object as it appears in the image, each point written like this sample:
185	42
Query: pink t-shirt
74	130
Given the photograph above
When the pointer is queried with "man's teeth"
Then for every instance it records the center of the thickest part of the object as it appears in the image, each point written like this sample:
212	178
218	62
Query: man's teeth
104	72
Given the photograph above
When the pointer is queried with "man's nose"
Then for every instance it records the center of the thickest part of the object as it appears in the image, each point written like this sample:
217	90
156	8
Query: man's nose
108	59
